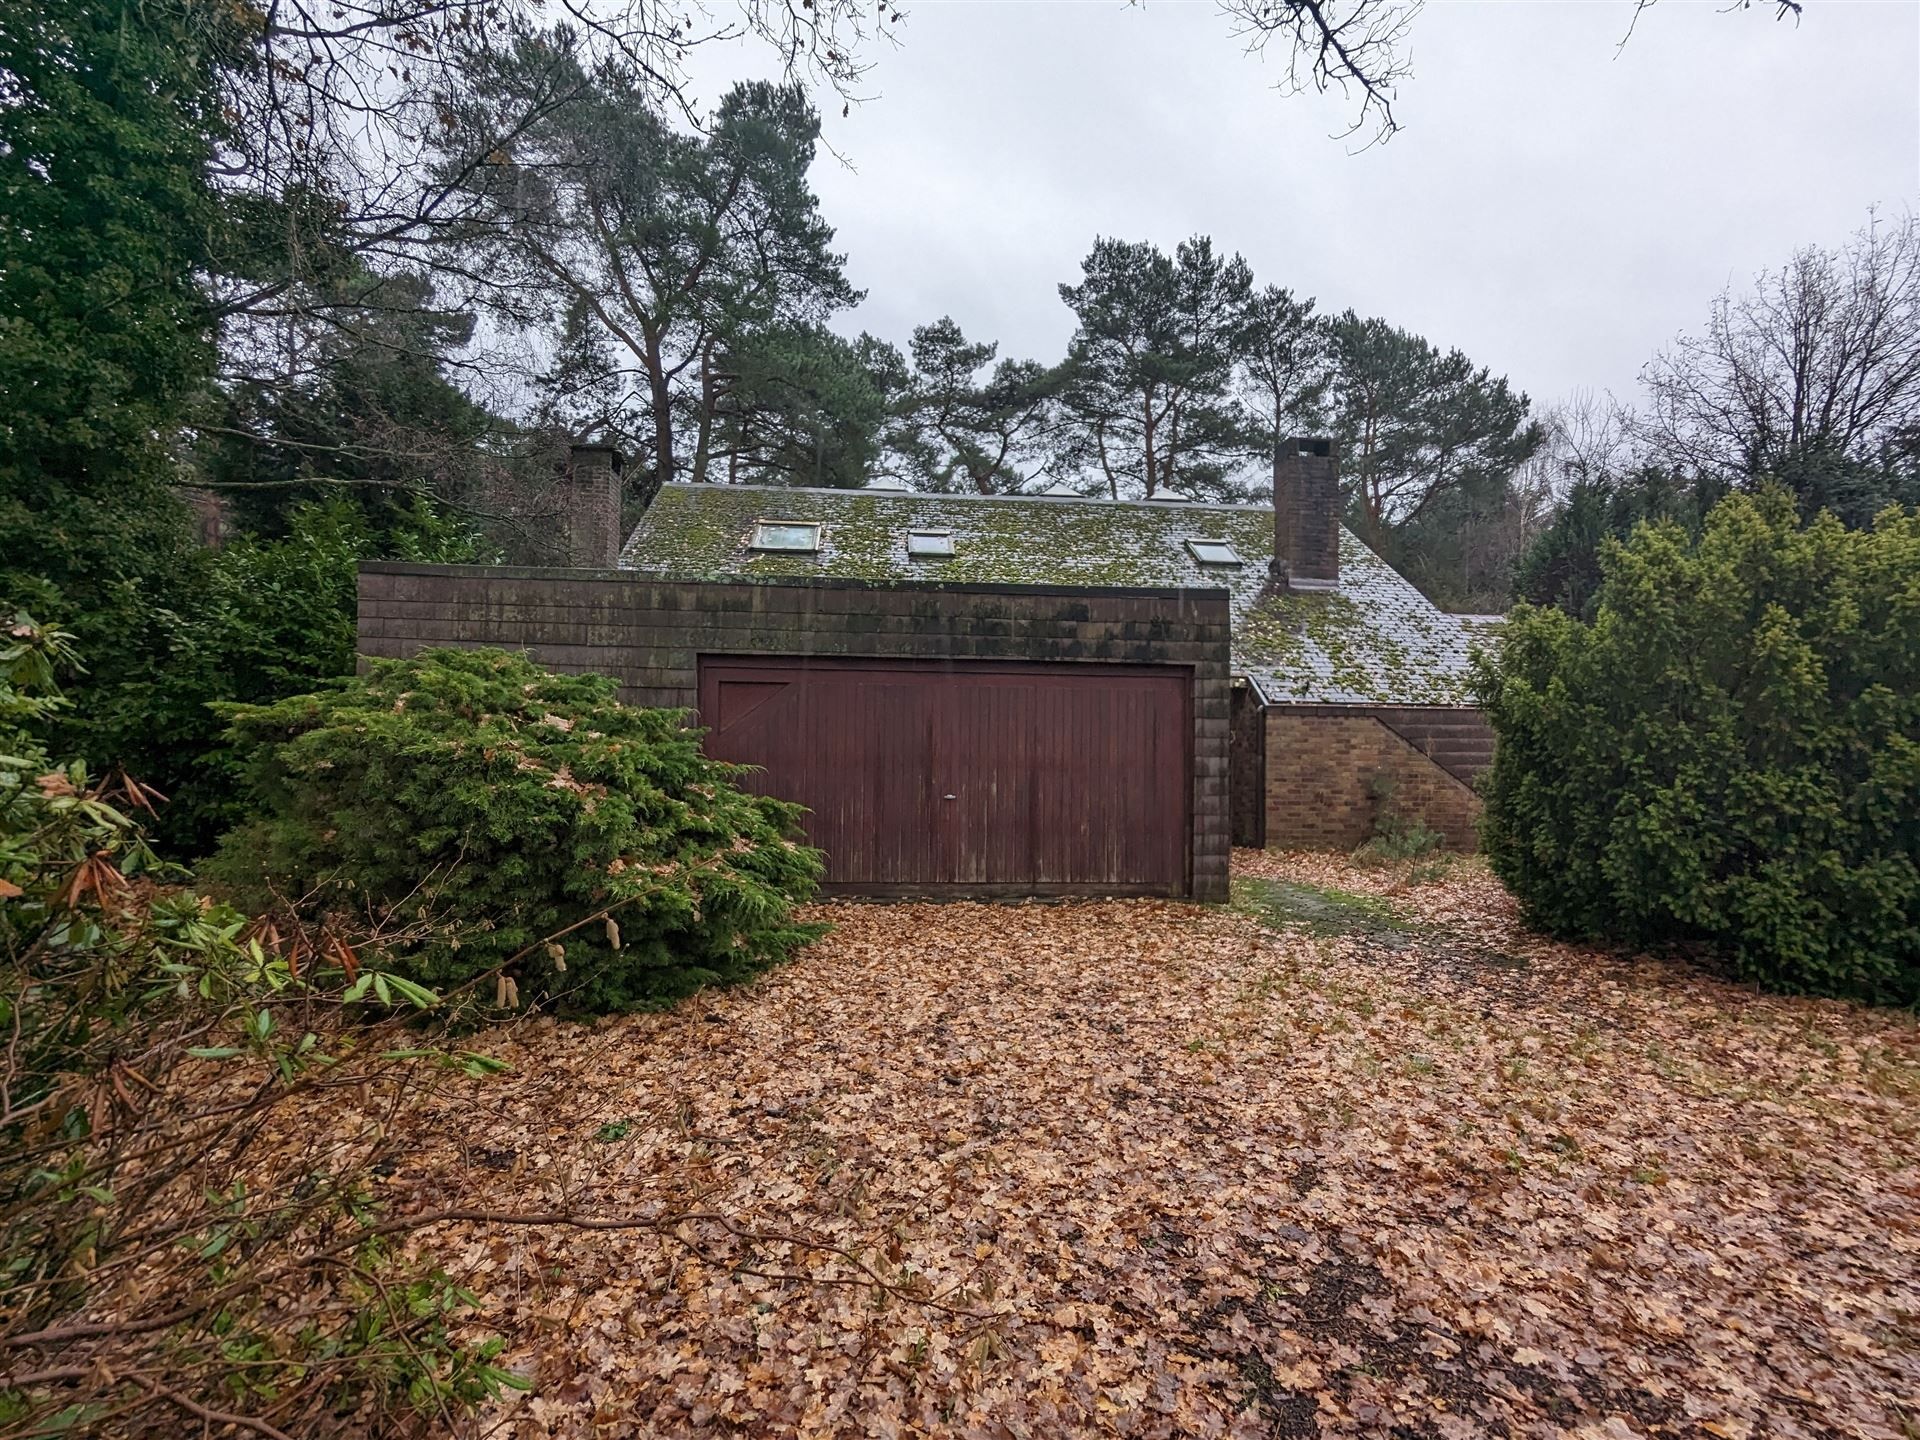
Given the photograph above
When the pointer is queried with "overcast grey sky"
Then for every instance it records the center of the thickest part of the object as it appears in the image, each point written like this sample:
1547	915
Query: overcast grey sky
1554	206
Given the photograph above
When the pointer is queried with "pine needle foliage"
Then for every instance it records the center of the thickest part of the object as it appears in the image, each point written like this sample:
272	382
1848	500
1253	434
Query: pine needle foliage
491	819
1728	754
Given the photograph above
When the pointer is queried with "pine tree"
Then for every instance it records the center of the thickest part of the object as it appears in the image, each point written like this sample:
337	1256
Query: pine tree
970	422
1414	423
1151	365
648	248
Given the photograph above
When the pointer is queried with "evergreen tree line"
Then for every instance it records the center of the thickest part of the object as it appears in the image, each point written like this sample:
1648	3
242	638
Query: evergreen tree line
674	290
679	292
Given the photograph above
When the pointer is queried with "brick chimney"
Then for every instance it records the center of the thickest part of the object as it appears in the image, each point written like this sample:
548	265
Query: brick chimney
1306	514
590	508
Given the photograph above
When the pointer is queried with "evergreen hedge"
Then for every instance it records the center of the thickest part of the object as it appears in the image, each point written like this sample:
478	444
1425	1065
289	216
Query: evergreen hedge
1728	754
486	815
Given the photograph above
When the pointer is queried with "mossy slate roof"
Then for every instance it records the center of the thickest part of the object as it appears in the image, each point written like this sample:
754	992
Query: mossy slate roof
1376	640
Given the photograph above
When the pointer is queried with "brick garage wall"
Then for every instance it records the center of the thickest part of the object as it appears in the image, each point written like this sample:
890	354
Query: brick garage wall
1321	765
649	633
1247	767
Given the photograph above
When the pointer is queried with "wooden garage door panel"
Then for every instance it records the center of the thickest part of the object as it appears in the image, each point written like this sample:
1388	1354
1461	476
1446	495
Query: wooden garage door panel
1063	779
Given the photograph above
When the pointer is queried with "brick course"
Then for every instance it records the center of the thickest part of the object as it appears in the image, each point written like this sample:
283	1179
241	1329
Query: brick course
649	633
1322	762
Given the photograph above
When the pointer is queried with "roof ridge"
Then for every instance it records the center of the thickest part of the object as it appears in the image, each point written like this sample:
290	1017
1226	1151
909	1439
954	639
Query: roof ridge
962	496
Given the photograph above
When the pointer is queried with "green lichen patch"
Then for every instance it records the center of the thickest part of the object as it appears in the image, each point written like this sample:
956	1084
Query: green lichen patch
705	532
1376	639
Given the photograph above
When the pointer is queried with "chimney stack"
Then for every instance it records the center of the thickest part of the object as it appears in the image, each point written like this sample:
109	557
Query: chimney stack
590	508
1306	514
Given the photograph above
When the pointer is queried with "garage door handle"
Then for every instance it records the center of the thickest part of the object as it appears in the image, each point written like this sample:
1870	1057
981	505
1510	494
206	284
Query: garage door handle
949	797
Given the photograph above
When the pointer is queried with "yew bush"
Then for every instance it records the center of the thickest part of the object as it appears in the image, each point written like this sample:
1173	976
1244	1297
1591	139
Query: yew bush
488	819
1728	754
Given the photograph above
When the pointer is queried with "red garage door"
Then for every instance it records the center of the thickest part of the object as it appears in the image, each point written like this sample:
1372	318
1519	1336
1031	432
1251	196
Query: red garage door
956	778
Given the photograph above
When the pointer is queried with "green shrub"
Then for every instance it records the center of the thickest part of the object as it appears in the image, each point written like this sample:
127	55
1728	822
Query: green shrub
247	624
29	695
158	1055
1395	835
488	816
1728	753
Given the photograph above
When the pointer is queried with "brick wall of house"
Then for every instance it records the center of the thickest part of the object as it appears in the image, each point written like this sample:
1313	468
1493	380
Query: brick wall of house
650	633
1323	768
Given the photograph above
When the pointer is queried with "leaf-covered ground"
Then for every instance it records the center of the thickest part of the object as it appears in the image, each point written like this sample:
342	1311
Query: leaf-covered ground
1355	1157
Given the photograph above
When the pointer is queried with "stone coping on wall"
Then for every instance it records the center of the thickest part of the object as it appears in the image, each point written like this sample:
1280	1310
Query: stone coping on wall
802	582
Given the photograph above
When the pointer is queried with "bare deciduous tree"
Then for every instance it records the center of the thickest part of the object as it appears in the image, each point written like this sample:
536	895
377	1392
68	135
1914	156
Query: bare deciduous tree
1349	45
1360	46
1822	353
1587	436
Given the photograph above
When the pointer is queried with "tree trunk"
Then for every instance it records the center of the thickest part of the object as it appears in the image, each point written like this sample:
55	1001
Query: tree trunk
1170	472
1371	494
709	403
662	402
1152	472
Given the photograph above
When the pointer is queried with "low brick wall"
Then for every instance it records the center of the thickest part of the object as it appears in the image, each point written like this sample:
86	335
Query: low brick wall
649	634
1325	766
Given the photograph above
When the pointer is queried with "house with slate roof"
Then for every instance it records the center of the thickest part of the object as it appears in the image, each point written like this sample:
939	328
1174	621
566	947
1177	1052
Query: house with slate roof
999	694
1370	680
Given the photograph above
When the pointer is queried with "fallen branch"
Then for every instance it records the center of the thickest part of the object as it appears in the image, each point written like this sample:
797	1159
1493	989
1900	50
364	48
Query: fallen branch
212	1417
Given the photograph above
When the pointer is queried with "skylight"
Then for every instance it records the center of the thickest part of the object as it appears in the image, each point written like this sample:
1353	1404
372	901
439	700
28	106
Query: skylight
929	544
802	536
1214	552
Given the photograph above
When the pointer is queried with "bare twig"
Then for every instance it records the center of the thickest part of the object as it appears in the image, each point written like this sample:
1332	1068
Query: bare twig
206	1413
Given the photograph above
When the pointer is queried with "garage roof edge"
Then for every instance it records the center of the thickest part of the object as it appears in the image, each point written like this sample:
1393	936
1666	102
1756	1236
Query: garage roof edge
802	582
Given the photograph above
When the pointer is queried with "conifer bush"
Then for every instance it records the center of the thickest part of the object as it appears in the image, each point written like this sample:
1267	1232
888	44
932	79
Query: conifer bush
1728	754
492	820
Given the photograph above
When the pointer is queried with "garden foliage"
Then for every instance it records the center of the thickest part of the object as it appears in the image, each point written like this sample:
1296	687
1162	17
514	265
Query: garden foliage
254	621
1397	833
175	1227
1728	753
489	818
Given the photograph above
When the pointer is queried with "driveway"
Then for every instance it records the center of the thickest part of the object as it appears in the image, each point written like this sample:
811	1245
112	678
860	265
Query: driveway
1359	1156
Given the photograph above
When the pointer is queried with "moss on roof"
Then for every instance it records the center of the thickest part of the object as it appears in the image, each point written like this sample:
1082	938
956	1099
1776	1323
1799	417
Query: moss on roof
1376	639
